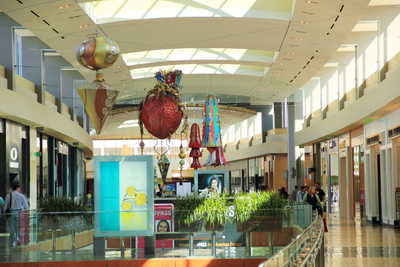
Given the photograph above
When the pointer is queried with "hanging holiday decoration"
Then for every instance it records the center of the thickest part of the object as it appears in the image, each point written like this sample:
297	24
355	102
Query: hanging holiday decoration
163	165
162	110
195	144
97	52
211	128
216	158
98	97
182	156
212	133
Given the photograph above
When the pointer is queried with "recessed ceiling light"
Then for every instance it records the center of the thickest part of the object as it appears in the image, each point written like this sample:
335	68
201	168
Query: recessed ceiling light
120	76
117	67
282	64
298	39
304	22
289	53
83	26
125	84
61	7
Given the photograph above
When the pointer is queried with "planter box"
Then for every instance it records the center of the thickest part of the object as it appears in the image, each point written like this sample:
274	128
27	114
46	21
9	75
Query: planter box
261	225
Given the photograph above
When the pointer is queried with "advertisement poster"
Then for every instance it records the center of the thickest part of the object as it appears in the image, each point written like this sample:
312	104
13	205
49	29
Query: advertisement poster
163	222
210	182
124	196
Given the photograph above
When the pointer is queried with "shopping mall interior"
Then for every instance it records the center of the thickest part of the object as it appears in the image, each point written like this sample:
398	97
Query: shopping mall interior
266	95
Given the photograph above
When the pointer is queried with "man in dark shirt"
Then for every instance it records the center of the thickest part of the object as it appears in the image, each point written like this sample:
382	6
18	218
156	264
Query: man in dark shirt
320	192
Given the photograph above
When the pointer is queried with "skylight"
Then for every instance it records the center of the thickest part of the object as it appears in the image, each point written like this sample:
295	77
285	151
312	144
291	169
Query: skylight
257	57
107	11
201	69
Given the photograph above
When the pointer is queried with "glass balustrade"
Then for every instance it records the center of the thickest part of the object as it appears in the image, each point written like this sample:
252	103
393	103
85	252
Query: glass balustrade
73	236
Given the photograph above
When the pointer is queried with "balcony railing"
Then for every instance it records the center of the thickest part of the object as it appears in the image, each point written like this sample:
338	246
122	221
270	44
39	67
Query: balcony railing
71	236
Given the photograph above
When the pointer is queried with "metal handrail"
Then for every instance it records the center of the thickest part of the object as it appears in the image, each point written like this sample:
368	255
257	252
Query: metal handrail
305	250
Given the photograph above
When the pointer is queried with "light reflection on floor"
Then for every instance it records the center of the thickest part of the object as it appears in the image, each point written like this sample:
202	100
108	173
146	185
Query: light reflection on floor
357	242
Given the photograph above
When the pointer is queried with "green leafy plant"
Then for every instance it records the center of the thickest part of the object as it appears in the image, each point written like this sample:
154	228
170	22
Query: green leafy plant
62	205
213	210
65	213
249	206
254	208
185	206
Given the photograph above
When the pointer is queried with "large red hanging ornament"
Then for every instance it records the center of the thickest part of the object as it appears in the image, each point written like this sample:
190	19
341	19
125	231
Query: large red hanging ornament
161	111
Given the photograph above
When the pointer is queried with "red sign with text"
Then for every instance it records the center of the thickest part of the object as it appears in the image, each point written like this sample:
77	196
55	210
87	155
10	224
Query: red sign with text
163	222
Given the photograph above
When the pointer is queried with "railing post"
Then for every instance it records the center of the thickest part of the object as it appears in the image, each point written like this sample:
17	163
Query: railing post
73	245
320	259
214	244
191	249
271	243
248	245
54	238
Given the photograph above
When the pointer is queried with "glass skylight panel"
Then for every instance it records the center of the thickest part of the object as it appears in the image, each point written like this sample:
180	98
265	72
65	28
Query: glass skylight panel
182	54
168	9
201	69
230	68
107	11
205	55
211	3
131	121
190	12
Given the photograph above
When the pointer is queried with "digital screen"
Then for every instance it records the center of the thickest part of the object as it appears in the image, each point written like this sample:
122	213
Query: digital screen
170	187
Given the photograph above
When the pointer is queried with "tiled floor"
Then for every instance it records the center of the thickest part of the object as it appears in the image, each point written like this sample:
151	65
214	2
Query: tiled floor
359	243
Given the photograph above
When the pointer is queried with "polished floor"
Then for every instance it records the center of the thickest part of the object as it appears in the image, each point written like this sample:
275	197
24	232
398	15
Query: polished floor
354	242
357	242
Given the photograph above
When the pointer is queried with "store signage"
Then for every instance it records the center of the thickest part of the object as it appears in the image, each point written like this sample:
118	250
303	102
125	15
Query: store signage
62	148
14	158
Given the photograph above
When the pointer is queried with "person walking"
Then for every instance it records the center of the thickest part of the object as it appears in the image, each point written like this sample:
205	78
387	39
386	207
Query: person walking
301	193
283	193
313	199
16	202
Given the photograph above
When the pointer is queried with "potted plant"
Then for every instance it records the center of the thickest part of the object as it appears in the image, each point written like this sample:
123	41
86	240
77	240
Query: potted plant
260	211
184	216
213	211
201	213
64	213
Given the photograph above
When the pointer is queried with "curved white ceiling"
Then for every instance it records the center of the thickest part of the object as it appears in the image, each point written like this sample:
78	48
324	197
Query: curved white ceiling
246	52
